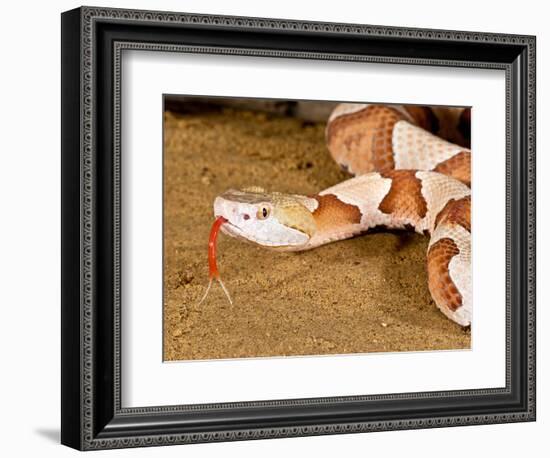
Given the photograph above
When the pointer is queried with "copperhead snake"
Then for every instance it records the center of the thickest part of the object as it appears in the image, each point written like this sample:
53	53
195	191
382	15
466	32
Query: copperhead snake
405	177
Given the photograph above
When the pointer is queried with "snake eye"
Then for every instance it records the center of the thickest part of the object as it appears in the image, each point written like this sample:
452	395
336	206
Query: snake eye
262	213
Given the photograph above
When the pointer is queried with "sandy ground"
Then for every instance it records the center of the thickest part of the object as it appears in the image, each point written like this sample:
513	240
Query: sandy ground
367	294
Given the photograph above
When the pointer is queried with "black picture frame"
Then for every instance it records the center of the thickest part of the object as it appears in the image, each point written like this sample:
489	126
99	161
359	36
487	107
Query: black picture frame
92	42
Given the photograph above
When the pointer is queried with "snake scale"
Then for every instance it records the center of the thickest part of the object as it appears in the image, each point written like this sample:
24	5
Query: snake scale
405	177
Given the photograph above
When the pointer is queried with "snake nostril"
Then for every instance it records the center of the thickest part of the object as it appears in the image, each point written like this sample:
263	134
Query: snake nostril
245	216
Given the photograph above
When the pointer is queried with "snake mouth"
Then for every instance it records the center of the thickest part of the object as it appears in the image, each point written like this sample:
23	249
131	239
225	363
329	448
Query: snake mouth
231	229
235	231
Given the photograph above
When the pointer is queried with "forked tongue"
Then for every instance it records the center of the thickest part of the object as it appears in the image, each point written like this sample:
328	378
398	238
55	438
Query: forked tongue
214	274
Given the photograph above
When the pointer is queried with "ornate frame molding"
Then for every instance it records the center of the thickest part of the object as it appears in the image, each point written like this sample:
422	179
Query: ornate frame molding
99	429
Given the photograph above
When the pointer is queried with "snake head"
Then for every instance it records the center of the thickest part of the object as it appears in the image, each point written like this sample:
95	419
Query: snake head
269	219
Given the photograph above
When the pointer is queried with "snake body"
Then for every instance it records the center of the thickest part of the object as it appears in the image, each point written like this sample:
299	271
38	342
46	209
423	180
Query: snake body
406	177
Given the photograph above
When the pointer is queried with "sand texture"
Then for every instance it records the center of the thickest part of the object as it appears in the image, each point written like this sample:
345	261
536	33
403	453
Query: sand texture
367	294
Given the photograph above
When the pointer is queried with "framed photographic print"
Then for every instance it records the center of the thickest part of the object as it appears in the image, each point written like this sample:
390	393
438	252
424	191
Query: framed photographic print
276	228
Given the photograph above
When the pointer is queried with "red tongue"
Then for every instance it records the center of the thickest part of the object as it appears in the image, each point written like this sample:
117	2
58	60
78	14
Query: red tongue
212	266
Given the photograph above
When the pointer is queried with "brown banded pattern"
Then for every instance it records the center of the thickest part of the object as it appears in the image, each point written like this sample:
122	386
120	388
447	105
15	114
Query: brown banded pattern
361	141
456	212
440	284
404	200
333	213
458	166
